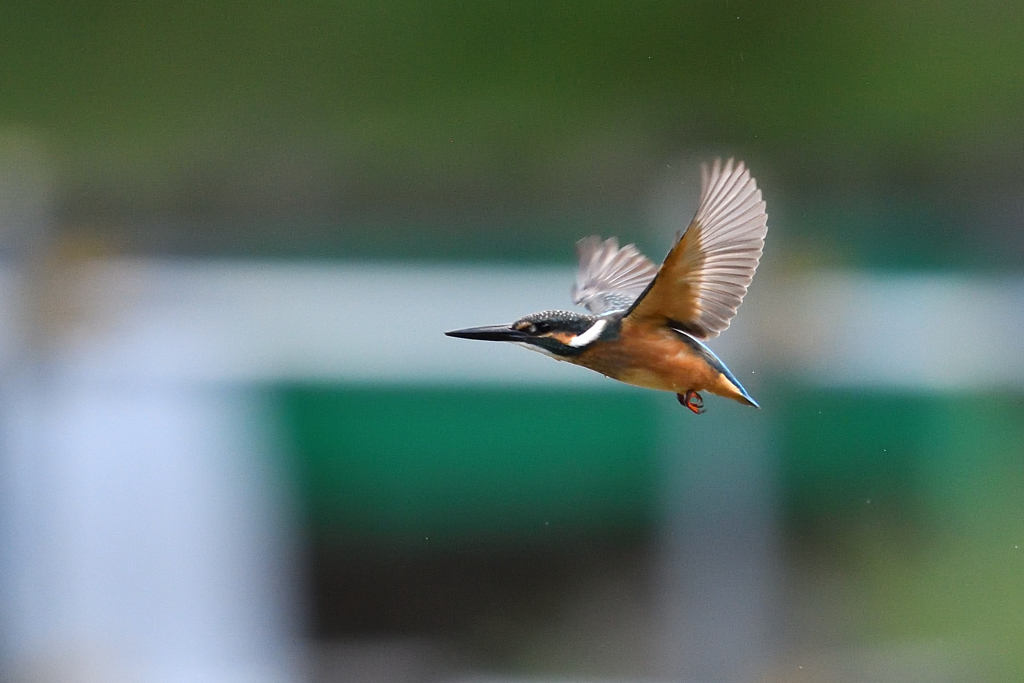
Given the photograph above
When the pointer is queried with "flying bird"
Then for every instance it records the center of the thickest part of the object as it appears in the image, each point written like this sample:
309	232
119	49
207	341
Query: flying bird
647	325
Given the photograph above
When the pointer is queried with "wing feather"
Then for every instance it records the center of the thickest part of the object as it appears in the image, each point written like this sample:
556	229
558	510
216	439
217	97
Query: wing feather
706	274
609	277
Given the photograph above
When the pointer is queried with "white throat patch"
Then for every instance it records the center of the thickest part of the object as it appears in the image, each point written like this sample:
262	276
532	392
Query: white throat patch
538	349
590	335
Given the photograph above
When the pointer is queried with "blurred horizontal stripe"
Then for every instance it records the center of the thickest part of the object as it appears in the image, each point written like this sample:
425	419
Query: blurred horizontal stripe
365	322
886	331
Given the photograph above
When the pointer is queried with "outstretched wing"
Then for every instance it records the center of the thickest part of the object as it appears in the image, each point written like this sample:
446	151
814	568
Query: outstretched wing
610	278
706	275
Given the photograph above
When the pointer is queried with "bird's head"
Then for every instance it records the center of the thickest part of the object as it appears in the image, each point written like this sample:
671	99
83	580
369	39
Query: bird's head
562	334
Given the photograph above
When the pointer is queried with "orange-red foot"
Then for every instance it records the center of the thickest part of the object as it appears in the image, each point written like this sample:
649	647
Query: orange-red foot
692	400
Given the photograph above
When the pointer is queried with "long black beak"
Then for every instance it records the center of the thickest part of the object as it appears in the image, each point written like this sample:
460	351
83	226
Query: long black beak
489	333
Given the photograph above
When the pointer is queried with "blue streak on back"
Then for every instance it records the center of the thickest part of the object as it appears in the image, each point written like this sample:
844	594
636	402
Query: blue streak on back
714	361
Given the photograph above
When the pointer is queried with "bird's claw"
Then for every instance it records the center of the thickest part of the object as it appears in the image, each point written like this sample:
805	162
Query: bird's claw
692	400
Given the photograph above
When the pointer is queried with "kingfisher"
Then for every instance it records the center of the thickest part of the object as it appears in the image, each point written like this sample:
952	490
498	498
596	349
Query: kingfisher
647	325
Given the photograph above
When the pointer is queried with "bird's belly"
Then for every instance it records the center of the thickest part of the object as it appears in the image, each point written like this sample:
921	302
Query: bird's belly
679	373
667	365
649	379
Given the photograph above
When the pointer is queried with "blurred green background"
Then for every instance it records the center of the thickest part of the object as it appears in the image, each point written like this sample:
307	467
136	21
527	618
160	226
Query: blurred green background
299	128
886	137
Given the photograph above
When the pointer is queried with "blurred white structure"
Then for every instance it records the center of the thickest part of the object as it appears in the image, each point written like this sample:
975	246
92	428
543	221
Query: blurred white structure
925	331
143	534
255	322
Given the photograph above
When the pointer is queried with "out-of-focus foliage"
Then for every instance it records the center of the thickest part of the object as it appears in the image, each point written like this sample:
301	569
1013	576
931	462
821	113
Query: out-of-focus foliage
229	107
531	73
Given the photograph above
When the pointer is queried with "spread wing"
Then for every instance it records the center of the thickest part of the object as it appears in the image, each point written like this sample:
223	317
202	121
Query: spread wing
610	278
706	275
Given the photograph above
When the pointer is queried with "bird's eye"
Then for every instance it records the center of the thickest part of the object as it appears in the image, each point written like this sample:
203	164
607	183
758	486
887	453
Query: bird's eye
532	328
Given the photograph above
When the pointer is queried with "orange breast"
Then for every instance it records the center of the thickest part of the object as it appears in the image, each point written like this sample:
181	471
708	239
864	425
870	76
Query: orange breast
651	357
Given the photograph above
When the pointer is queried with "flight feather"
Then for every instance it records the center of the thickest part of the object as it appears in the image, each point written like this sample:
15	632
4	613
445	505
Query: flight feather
706	274
609	277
